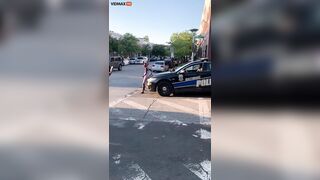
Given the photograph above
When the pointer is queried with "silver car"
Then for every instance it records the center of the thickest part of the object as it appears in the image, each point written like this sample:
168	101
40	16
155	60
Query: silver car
116	62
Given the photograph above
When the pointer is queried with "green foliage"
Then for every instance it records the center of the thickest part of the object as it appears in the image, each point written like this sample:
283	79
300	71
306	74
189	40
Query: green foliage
146	38
182	44
128	45
146	49
160	50
113	45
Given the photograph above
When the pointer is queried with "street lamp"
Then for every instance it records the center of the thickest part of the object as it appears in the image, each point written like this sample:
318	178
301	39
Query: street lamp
199	37
194	30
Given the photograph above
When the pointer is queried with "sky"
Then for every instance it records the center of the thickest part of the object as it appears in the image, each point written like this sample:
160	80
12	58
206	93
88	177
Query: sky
157	19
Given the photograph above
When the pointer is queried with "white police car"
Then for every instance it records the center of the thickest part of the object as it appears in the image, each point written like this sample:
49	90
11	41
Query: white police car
194	76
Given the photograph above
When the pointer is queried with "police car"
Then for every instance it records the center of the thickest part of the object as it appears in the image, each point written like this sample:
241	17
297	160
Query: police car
194	76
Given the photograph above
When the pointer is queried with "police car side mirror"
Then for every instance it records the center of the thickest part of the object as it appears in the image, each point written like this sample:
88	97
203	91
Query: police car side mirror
182	71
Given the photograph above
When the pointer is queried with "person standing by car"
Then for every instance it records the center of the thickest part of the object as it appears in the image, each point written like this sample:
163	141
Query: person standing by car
146	75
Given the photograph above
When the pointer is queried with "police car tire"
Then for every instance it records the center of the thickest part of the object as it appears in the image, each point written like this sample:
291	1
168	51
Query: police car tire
169	87
120	67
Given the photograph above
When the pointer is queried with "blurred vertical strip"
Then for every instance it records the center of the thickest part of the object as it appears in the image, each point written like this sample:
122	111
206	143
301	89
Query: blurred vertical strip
266	89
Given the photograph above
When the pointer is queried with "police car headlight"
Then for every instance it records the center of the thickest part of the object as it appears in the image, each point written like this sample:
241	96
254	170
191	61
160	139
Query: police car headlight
150	80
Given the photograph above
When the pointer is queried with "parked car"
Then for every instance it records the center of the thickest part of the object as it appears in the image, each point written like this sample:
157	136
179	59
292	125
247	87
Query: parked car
152	61
132	60
141	60
116	62
159	66
194	76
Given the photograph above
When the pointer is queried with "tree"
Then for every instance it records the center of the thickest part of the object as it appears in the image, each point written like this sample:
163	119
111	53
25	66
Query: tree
129	45
113	45
182	44
146	38
146	49
160	50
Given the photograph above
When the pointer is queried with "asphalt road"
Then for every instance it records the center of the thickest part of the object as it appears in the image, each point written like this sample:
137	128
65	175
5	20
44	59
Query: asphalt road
153	137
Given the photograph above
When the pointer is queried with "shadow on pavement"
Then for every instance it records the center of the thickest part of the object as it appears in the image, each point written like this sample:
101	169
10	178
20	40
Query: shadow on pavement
193	94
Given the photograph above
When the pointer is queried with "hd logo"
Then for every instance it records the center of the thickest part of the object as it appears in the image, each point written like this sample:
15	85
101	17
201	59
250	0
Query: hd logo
203	82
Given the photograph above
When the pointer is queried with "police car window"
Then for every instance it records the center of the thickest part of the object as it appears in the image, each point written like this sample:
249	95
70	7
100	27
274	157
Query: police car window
206	67
193	68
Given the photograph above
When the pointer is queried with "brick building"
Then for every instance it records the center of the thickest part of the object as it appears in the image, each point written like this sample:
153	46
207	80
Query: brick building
204	43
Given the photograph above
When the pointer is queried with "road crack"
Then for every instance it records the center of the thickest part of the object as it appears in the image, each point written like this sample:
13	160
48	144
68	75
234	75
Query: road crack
154	100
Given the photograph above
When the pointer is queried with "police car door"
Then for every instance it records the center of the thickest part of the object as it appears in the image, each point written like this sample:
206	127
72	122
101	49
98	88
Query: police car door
205	76
188	77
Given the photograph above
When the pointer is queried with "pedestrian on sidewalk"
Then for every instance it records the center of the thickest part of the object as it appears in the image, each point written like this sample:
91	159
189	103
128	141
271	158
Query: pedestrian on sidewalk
146	75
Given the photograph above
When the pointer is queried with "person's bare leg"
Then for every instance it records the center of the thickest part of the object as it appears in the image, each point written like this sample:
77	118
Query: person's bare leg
143	88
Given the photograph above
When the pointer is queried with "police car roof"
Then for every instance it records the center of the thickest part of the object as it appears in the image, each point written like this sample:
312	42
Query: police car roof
201	60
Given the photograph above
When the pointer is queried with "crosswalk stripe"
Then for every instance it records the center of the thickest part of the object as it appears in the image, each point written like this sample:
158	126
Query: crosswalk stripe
177	106
135	105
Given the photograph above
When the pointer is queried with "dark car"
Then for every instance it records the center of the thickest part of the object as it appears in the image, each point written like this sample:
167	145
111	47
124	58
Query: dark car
116	62
194	76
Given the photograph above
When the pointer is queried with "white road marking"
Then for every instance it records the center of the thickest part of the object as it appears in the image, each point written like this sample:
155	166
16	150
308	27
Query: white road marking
116	158
135	172
140	125
203	134
202	170
128	119
177	122
177	106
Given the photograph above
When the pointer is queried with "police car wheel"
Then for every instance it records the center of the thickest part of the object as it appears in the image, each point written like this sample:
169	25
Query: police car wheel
120	67
164	89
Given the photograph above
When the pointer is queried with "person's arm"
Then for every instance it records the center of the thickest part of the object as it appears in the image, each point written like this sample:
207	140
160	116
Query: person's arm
110	70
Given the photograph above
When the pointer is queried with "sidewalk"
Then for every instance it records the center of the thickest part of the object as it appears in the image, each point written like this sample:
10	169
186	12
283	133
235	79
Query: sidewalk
152	107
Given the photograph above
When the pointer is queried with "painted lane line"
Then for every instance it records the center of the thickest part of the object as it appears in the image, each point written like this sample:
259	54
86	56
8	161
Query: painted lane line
177	106
202	170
